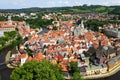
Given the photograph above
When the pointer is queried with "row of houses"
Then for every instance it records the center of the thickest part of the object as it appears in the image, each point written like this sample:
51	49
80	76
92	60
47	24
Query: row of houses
70	43
62	46
7	26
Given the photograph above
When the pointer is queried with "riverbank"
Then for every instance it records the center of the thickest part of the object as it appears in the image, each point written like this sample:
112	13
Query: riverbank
116	76
5	72
112	70
108	74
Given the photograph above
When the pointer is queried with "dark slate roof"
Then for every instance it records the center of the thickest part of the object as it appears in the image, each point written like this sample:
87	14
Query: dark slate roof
44	31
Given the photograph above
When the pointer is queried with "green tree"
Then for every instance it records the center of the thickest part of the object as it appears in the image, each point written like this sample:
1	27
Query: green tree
29	52
2	18
32	70
94	24
17	18
2	42
73	67
38	22
75	72
77	76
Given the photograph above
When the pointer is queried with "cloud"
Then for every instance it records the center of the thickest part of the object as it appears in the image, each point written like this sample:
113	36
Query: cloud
53	3
16	3
66	2
60	2
77	3
114	2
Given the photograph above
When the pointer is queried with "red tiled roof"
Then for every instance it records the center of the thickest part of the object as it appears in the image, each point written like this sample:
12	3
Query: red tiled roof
29	58
38	57
23	55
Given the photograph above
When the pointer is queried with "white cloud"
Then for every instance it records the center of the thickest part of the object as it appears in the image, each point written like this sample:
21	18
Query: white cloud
66	2
60	2
20	3
77	3
53	3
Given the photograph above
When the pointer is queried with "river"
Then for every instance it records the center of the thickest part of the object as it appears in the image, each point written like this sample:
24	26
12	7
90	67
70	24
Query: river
113	77
4	70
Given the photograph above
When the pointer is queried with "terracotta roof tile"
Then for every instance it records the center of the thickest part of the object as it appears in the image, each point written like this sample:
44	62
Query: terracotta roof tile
29	58
23	55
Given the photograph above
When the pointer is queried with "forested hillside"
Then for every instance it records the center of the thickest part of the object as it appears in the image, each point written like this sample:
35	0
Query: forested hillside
75	9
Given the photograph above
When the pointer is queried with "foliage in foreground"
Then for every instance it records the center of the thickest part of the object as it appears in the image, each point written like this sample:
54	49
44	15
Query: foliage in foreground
75	72
77	76
43	70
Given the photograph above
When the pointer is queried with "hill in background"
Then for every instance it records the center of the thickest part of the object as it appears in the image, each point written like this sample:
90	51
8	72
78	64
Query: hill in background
72	10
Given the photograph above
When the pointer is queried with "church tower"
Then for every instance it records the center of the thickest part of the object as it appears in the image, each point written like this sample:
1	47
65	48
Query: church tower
9	20
82	24
79	29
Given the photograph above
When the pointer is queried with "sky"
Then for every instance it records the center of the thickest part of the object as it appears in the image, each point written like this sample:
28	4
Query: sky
18	4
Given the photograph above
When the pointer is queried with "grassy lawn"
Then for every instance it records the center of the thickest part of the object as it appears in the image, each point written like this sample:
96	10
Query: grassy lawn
78	10
100	9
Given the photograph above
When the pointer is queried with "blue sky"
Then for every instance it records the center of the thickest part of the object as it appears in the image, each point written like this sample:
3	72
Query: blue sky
17	4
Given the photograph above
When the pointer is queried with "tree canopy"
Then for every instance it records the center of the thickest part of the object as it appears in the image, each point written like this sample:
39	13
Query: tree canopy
75	9
38	22
8	36
75	72
32	70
